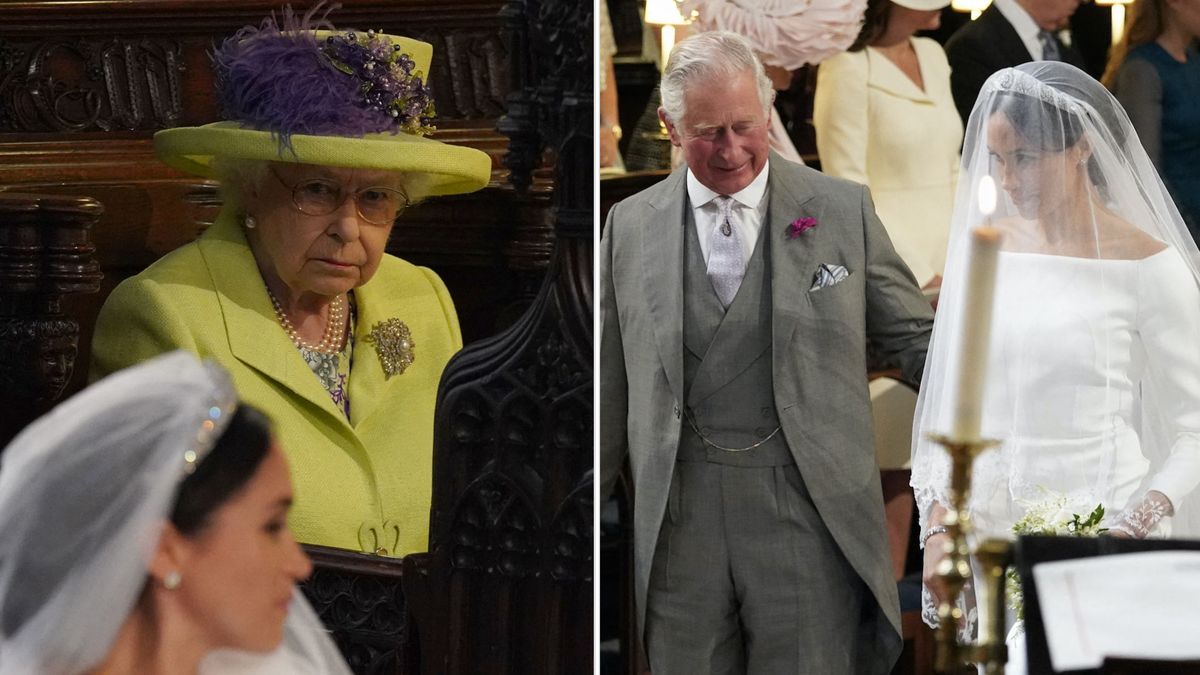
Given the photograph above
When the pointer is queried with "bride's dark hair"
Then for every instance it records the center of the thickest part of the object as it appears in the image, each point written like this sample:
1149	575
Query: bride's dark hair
226	468
223	471
1045	125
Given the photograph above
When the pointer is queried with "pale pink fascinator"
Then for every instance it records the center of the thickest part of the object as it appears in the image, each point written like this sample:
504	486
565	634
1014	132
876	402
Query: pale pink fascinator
785	33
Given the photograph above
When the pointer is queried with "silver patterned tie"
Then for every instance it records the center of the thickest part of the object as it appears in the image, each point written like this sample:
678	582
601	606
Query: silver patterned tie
1049	46
725	264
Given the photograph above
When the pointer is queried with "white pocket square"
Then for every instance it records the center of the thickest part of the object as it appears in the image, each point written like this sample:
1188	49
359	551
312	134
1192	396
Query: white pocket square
828	275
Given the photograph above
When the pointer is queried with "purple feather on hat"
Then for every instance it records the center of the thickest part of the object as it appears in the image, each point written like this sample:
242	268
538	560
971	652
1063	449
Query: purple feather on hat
284	81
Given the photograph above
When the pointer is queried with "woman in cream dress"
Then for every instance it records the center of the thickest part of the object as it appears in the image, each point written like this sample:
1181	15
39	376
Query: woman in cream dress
885	117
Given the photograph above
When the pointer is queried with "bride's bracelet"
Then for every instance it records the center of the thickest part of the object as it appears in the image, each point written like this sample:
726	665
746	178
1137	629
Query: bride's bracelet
935	530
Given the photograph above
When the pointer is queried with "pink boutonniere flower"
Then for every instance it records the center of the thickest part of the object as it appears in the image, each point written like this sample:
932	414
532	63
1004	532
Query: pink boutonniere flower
800	225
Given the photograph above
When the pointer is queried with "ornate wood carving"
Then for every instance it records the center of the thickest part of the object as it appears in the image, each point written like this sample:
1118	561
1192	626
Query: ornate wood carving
506	586
90	85
46	254
102	71
469	73
360	599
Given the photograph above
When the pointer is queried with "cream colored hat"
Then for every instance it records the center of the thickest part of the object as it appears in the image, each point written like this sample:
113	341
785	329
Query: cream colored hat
923	5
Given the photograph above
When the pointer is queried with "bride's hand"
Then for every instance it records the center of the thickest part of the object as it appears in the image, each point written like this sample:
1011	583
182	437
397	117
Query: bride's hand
935	551
1140	519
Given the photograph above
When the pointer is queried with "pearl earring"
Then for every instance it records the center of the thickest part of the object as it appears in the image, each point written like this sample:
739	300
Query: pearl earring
172	580
249	222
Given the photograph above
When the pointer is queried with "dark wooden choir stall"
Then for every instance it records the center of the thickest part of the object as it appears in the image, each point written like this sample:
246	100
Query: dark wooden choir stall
506	586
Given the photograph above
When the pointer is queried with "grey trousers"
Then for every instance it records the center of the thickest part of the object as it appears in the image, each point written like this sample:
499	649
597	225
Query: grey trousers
746	579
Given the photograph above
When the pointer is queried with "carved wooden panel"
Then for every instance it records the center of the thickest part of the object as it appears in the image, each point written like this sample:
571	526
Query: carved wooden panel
507	584
85	85
46	254
108	65
360	600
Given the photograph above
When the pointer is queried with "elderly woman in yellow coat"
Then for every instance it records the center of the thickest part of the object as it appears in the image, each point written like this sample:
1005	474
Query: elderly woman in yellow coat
290	289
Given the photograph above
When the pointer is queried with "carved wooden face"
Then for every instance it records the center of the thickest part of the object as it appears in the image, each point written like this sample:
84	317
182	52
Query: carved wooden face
56	361
36	366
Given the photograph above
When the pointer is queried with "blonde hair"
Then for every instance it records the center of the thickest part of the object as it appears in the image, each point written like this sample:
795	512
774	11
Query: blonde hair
1144	24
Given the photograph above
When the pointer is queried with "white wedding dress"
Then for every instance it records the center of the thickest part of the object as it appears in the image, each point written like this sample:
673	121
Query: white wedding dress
1066	404
1092	375
1073	339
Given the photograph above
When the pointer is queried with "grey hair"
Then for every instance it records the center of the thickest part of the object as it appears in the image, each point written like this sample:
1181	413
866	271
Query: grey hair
238	177
703	56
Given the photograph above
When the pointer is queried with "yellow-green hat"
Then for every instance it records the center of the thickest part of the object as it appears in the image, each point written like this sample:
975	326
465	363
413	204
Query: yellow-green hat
346	99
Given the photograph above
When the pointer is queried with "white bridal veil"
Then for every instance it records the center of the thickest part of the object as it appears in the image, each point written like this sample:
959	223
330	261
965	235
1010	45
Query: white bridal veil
1093	366
84	493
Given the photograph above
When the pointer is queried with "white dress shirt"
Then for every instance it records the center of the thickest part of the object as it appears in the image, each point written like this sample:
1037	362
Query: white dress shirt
749	210
1026	28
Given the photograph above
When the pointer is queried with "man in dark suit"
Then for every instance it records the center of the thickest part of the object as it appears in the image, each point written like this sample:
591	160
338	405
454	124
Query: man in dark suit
736	300
1007	34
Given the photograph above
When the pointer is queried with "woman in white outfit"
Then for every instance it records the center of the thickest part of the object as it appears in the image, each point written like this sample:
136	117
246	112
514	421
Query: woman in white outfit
1093	371
145	531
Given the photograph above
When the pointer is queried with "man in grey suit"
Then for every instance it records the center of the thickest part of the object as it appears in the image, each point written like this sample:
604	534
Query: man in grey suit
736	300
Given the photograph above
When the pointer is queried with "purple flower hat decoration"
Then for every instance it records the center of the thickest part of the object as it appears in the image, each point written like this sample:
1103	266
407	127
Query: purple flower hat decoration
299	90
306	77
801	225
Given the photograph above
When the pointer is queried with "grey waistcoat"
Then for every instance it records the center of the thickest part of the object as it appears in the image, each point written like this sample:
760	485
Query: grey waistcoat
732	409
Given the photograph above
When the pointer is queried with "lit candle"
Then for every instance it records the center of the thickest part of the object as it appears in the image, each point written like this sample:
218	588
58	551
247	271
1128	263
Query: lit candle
976	319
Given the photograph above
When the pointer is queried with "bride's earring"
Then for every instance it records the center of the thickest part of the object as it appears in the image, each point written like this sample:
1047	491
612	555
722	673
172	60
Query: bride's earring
171	581
249	222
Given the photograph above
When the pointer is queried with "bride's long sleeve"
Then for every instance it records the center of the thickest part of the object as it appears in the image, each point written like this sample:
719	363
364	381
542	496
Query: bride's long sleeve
1169	326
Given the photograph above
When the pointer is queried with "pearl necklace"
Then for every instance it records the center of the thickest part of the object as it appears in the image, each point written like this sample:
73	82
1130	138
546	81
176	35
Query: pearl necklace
331	341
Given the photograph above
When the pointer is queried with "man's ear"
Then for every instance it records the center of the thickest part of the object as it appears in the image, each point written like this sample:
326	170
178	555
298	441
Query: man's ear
171	555
676	140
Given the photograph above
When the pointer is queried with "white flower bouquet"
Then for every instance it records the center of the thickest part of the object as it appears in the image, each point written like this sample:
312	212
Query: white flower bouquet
1050	517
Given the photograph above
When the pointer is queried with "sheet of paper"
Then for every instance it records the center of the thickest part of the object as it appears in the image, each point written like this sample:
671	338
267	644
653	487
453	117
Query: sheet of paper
1137	605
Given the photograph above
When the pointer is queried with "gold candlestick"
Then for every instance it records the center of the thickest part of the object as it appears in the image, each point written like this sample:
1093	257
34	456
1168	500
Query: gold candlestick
993	557
955	568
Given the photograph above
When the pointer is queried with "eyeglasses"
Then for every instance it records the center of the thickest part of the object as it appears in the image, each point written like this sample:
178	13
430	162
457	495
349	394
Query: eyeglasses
320	197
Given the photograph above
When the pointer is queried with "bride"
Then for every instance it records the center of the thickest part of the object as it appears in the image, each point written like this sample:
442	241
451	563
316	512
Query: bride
145	531
1093	369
